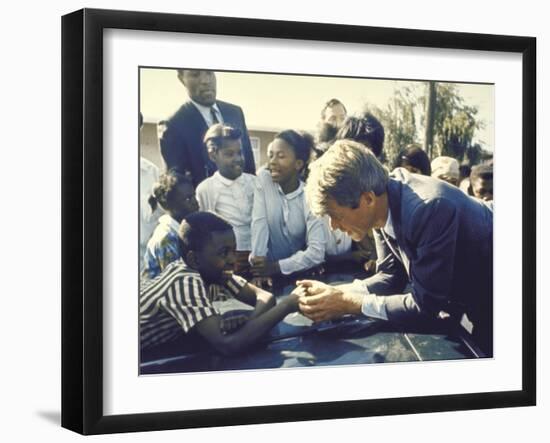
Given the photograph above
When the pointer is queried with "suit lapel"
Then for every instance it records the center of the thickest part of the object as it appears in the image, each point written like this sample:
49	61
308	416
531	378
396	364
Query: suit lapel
395	189
394	202
200	126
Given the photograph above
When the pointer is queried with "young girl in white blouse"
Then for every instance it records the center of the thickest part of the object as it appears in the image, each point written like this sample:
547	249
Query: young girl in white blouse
286	237
229	193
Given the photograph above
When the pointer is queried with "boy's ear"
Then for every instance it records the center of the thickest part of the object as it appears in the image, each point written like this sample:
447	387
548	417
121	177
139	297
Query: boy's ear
212	155
191	259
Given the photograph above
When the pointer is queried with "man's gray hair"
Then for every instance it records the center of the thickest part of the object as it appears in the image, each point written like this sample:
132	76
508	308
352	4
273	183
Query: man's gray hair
343	173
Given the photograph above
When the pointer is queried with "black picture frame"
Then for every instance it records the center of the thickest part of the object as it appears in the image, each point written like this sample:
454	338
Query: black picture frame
82	250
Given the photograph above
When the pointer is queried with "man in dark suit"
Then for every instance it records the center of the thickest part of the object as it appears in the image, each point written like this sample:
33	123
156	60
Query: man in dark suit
182	145
434	244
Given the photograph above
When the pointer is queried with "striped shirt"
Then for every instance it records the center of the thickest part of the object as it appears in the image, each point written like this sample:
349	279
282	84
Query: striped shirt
175	301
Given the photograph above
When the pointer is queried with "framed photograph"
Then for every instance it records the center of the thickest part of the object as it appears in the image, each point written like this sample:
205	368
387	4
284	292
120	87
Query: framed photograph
224	262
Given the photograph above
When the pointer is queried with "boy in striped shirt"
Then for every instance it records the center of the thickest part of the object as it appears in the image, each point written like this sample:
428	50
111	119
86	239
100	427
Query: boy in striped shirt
179	301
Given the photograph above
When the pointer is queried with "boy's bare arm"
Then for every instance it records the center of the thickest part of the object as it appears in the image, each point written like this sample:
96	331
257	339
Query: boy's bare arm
258	298
251	332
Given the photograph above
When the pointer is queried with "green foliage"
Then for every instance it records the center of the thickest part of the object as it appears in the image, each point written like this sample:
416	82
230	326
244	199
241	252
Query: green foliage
455	124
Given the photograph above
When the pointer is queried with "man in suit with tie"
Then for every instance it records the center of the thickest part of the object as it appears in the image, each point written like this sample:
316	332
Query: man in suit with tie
182	145
434	245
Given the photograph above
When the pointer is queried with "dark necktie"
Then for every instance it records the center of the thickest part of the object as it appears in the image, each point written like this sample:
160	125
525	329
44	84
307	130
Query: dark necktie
214	116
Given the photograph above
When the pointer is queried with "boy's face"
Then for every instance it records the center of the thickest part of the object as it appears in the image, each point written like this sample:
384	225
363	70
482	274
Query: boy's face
483	188
216	261
229	159
183	201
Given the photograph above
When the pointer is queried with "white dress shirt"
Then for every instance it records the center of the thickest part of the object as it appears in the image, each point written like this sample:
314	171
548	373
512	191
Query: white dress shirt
232	200
338	242
375	305
206	112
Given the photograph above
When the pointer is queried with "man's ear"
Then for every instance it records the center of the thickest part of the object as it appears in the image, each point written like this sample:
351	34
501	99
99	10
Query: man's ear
299	165
211	154
368	198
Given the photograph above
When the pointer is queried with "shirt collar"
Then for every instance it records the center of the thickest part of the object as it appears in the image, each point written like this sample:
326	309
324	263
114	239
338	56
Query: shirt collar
205	110
292	195
388	227
226	181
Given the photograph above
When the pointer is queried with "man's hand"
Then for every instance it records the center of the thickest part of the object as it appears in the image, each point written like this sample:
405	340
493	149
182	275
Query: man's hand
324	302
231	323
263	267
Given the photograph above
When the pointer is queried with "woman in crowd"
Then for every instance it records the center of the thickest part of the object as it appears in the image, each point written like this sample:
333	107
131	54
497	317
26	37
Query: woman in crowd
286	237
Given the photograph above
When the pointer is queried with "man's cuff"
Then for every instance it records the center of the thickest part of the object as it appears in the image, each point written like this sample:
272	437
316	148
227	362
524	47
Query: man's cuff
374	306
359	286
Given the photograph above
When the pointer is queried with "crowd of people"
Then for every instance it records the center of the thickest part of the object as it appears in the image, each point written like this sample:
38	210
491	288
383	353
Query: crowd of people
421	235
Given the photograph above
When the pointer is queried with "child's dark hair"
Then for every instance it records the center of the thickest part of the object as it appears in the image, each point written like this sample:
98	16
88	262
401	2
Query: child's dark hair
301	142
164	187
196	229
217	134
416	157
367	130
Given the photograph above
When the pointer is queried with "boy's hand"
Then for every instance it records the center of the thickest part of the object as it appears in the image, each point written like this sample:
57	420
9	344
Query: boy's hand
232	323
294	298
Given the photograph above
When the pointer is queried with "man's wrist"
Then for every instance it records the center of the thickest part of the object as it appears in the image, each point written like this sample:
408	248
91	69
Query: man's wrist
353	302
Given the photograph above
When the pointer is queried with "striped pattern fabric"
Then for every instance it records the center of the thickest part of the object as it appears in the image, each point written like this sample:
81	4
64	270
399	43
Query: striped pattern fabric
175	301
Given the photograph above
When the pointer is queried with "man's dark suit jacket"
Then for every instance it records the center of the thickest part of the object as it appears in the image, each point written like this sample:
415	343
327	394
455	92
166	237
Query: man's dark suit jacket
448	238
182	146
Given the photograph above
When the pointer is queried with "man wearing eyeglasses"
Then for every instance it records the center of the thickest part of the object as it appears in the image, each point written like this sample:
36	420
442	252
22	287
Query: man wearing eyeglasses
182	145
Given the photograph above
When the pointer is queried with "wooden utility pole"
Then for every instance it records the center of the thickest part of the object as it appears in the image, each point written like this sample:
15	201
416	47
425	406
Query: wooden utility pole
430	113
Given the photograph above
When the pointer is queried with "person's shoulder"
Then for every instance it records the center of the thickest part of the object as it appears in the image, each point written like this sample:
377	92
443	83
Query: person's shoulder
205	185
263	179
175	271
263	174
221	104
249	178
178	270
182	113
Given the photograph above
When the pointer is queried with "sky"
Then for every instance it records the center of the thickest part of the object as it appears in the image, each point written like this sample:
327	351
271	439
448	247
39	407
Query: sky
292	101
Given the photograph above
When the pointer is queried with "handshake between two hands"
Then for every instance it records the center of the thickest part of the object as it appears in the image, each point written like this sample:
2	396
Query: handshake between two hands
314	299
319	301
